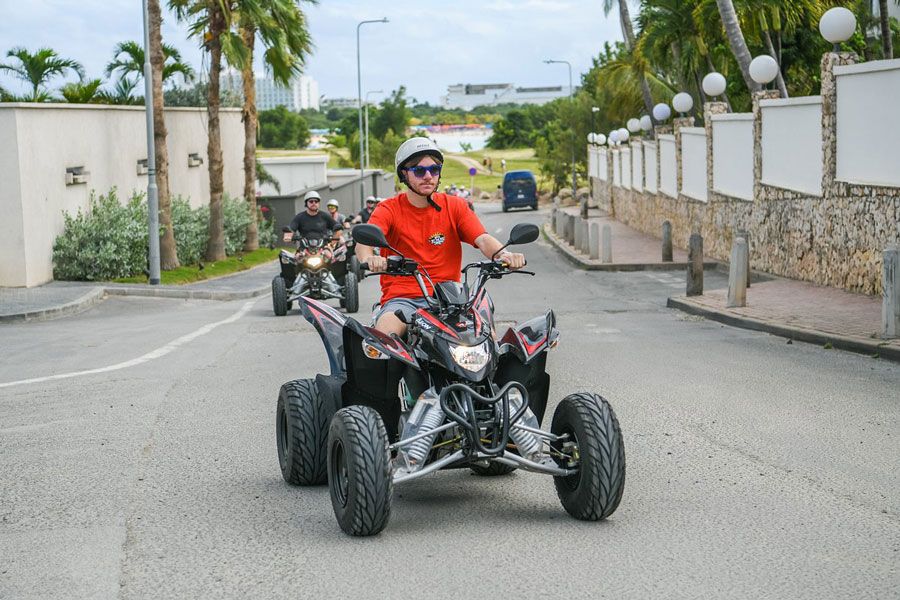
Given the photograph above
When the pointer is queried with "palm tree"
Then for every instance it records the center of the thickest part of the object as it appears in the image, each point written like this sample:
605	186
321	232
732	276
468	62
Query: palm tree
281	27
886	33
38	68
83	92
628	36
122	93
128	58
736	41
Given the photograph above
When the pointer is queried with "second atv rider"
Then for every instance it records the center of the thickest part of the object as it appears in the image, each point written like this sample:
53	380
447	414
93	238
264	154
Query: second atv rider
427	226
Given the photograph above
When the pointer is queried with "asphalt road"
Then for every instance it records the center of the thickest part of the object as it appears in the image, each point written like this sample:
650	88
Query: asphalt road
756	469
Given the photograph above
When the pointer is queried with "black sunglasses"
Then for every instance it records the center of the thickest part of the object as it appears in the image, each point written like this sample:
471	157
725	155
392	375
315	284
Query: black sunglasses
419	171
315	201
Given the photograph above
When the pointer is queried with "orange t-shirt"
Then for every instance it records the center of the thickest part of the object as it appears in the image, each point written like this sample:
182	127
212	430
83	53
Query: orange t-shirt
432	238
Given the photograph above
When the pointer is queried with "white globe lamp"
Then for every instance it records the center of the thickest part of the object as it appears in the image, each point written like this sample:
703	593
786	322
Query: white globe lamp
600	138
623	134
763	69
682	102
661	112
646	123
590	137
613	137
633	125
837	25
714	84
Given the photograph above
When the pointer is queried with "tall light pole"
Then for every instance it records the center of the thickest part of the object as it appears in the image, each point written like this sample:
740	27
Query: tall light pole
152	190
367	122
362	174
594	109
572	100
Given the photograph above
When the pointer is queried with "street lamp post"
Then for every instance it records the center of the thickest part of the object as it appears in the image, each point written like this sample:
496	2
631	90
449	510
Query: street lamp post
362	174
367	122
572	100
152	190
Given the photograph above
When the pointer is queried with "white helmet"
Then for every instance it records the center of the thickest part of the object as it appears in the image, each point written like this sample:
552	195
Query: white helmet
370	199
412	148
333	202
311	195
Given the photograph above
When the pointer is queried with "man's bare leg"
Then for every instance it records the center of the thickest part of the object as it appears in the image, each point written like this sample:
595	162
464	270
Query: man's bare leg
388	323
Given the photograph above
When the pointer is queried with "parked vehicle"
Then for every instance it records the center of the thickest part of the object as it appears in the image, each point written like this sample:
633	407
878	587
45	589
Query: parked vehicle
316	270
519	189
468	401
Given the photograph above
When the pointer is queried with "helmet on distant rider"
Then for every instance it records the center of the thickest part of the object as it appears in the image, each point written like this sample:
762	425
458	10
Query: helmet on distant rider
311	195
333	202
411	151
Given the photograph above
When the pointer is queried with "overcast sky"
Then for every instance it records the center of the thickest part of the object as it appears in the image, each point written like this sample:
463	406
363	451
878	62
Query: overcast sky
425	46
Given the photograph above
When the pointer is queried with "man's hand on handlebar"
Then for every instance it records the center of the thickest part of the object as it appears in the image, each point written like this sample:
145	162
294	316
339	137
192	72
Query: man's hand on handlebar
513	260
376	264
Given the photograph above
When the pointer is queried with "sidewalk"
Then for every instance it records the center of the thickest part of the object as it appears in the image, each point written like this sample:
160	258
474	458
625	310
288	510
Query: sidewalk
793	309
59	298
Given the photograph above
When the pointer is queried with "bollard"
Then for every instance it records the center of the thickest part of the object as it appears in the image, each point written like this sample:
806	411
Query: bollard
595	241
553	219
585	236
560	224
742	233
667	242
577	243
890	283
570	228
695	266
607	244
737	274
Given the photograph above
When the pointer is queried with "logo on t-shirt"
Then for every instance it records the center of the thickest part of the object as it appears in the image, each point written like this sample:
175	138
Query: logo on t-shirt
436	238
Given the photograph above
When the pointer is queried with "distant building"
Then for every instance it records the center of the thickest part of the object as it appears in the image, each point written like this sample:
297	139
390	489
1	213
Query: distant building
303	92
467	96
341	103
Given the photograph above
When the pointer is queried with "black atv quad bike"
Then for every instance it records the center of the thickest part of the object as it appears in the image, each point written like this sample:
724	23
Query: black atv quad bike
464	400
311	272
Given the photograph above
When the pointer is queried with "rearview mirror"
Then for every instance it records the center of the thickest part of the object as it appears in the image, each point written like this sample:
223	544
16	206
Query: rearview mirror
523	233
370	235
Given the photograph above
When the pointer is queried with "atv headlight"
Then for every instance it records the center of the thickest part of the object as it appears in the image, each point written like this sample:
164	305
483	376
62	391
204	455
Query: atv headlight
472	358
314	261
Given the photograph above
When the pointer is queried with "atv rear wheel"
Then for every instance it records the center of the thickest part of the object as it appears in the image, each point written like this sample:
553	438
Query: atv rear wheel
301	430
360	478
354	266
351	292
594	492
279	296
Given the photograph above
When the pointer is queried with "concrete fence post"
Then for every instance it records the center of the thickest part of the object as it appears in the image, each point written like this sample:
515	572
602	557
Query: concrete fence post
607	244
743	233
666	241
737	274
585	236
695	266
553	219
595	241
578	233
890	282
560	224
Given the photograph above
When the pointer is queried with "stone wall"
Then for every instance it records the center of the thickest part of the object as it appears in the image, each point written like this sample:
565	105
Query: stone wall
835	240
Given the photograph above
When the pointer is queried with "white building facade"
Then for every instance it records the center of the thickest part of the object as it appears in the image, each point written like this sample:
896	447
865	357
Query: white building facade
303	92
467	96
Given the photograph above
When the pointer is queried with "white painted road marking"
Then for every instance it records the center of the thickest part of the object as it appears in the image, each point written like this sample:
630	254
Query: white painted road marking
153	354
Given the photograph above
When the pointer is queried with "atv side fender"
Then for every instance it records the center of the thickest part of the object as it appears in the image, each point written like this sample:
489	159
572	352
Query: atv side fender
391	346
330	324
530	338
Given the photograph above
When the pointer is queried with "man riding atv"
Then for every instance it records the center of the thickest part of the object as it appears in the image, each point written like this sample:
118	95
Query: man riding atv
312	221
427	226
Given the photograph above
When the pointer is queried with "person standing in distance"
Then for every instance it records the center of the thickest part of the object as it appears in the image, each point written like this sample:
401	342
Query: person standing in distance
427	226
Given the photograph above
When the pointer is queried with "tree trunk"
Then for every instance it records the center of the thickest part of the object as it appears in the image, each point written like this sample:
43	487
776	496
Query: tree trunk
736	41
884	17
248	116
168	256
779	79
628	35
215	250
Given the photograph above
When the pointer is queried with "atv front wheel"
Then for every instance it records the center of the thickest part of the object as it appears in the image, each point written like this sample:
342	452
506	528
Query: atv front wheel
594	492
351	292
279	296
360	478
301	429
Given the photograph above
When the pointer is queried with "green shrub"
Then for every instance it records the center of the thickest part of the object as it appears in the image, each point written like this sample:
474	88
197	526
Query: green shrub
266	231
191	230
107	241
237	217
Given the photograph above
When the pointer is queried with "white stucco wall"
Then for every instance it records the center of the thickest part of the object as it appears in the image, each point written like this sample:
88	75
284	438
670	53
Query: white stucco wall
12	232
668	181
650	166
295	173
792	143
693	162
626	168
617	168
107	141
601	164
868	124
637	168
592	160
732	145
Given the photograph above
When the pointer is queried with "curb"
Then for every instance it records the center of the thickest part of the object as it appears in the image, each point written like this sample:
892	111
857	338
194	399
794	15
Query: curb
576	259
187	294
801	334
78	305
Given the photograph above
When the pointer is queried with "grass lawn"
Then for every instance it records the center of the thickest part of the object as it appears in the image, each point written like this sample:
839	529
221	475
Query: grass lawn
192	273
516	159
276	153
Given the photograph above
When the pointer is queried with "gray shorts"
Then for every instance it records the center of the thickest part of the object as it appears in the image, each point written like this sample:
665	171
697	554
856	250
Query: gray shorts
409	306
